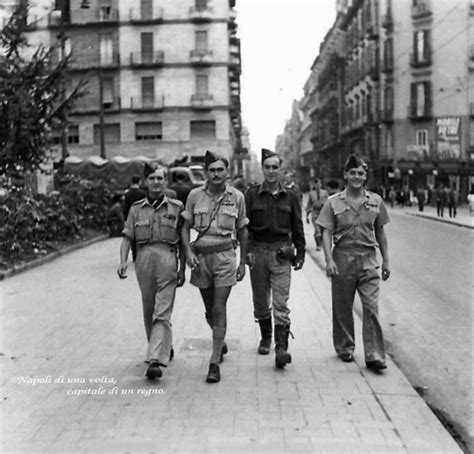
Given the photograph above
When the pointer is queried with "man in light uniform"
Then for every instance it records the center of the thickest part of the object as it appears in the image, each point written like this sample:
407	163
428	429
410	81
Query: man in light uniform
154	224
217	212
316	198
354	221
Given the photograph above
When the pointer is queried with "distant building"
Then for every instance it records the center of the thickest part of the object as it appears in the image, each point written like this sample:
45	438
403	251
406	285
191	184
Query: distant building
393	82
163	76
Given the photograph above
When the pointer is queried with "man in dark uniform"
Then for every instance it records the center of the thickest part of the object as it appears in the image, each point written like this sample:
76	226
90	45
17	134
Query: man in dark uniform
217	212
180	186
154	224
275	224
133	193
353	220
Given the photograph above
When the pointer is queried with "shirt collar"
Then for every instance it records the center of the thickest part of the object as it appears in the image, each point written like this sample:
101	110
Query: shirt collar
343	194
147	203
264	188
226	190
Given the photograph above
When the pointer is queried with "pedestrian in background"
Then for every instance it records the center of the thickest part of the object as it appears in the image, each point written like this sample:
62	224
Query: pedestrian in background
217	212
180	187
132	194
332	187
115	216
420	198
452	201
154	224
353	220
440	201
290	183
275	225
316	199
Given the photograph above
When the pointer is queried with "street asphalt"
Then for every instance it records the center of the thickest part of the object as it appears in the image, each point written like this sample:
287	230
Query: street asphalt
72	350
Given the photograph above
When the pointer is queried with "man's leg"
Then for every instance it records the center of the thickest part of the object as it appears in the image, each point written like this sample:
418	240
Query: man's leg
207	295
146	281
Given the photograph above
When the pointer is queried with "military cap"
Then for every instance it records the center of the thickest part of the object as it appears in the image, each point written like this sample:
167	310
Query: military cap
211	157
268	154
149	168
354	161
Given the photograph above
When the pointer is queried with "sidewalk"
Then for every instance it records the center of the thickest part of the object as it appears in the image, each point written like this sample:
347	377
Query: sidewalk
71	327
462	219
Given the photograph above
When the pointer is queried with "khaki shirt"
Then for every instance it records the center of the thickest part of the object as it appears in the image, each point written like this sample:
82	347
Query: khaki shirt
148	225
230	217
316	200
351	228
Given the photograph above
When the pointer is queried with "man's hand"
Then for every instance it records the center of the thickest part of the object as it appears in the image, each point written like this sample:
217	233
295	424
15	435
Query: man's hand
191	259
122	270
241	271
298	264
181	278
250	259
331	268
385	271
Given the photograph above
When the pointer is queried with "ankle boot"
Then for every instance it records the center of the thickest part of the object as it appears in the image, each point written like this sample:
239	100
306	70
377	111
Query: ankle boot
282	357
266	341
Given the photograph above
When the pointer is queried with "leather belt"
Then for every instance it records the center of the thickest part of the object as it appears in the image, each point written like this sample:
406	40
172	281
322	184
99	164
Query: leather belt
211	249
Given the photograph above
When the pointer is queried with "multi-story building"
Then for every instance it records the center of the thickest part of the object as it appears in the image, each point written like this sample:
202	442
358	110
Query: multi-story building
398	92
163	76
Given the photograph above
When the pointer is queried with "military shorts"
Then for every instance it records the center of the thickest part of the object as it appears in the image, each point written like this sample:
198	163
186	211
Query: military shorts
217	269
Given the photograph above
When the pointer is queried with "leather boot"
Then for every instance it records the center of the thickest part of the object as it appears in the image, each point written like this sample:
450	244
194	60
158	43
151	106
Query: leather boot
266	341
282	357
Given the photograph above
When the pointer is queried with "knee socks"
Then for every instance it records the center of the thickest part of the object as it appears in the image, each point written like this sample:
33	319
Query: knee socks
218	335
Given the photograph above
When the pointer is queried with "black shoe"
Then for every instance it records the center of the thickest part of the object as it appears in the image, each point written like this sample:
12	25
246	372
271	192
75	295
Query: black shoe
153	370
264	346
224	350
214	374
375	365
347	357
171	353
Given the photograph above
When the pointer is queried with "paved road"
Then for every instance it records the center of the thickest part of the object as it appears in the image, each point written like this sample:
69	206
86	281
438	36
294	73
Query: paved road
71	327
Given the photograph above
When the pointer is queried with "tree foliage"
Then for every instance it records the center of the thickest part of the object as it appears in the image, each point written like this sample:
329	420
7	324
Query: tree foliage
33	100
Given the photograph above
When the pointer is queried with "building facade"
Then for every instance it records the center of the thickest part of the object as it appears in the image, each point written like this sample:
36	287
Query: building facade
394	84
163	76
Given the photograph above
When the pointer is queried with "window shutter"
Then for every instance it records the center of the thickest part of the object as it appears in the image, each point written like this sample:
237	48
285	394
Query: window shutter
201	40
413	92
426	45
428	98
146	9
147	46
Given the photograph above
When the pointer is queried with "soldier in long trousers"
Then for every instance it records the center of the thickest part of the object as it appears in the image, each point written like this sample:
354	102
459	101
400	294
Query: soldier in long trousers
217	212
353	220
154	224
275	225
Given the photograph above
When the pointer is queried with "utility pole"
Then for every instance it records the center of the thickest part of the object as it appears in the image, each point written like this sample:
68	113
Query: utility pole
101	112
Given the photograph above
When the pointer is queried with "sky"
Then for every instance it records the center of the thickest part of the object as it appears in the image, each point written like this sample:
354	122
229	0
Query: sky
279	42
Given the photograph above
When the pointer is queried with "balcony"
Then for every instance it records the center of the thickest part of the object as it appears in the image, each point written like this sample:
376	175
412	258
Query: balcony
201	101
147	104
415	115
137	15
147	59
91	105
94	61
101	15
201	14
421	10
417	62
201	57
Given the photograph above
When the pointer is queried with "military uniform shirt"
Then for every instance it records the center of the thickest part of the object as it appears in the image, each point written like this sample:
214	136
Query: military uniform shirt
146	224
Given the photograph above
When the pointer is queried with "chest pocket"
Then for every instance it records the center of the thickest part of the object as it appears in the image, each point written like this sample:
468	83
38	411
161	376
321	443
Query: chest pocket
370	213
167	227
283	218
202	217
227	217
258	216
344	217
142	231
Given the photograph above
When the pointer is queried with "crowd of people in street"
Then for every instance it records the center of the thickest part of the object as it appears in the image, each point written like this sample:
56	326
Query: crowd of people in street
169	227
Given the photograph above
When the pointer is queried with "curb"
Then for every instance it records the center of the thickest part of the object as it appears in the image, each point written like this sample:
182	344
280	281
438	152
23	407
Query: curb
445	221
50	257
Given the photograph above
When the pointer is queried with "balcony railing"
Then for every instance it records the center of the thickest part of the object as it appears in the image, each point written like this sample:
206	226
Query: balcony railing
139	15
94	60
421	10
201	14
93	16
90	105
417	62
201	57
201	101
152	59
148	103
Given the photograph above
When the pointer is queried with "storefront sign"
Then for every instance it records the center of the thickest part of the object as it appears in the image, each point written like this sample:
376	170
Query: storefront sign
448	137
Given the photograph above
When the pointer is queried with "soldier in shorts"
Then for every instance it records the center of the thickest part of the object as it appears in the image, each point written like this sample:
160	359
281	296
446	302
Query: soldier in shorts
217	212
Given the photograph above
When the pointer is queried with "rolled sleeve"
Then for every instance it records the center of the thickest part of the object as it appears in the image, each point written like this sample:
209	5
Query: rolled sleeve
383	217
326	217
187	214
242	219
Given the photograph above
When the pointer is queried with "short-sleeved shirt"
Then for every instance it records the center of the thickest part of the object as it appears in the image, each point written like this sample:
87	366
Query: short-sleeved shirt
351	228
228	220
316	200
147	224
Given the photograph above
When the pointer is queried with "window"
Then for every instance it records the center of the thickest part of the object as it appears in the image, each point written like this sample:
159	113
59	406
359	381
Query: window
421	46
106	49
147	47
388	95
202	85
201	4
388	54
203	129
420	99
422	137
148	91
146	9
105	10
108	92
148	130
111	133
201	40
73	134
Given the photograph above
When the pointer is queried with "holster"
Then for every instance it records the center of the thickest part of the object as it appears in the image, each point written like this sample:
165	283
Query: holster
288	253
